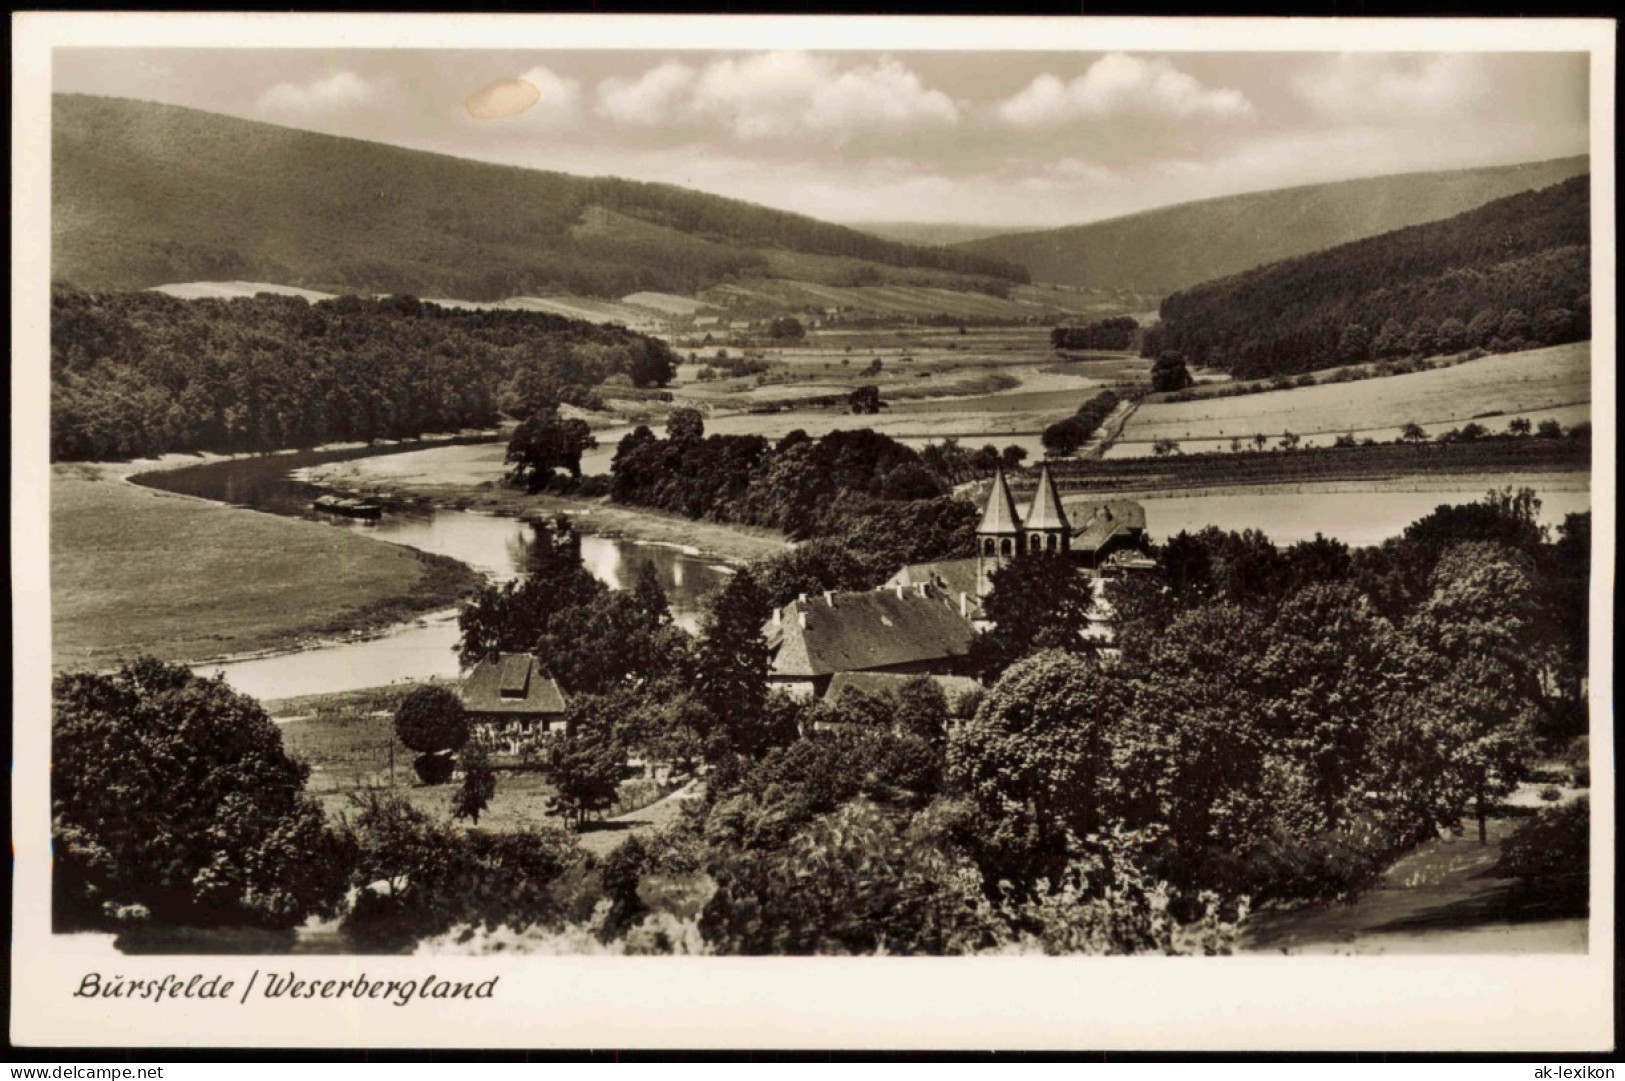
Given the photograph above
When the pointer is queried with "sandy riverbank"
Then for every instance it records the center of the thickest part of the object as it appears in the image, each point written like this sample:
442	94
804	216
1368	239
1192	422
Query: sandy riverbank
468	478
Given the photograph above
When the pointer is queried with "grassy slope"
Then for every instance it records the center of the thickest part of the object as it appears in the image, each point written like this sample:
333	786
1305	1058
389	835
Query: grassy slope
1500	386
1161	251
139	571
146	194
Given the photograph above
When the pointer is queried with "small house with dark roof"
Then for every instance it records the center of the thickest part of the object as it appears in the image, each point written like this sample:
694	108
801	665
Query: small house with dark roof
507	701
911	631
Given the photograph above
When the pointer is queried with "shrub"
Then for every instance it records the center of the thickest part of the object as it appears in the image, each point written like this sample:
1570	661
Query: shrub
1553	849
434	768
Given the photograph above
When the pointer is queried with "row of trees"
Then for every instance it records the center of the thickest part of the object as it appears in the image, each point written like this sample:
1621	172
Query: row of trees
1065	436
1118	332
1510	275
137	374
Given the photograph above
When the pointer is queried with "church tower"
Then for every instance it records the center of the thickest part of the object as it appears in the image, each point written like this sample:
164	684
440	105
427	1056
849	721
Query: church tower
1046	527
999	536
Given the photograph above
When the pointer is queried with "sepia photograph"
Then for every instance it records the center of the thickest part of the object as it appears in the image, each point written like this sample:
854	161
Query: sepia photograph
744	496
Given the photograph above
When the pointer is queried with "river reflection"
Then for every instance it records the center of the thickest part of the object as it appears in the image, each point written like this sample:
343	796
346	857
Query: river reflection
497	547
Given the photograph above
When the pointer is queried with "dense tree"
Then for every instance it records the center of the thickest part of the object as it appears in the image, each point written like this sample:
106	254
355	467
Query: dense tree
430	721
611	640
1354	347
584	768
731	665
1036	762
685	426
144	373
858	882
1066	436
786	328
1169	373
1040	602
544	444
174	802
864	400
479	785
1117	332
649	595
512	617
922	710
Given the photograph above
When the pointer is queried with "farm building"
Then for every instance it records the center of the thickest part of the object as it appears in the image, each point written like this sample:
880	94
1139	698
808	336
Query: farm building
909	631
507	701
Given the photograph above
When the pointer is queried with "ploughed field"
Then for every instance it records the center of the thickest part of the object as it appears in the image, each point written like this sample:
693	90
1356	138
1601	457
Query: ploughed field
137	571
1553	383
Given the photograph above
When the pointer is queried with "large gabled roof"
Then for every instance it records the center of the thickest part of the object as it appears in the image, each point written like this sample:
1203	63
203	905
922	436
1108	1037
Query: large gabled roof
1000	514
510	683
951	576
854	632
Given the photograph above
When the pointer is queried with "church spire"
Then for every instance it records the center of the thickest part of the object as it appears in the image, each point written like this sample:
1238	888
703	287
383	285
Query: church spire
1000	517
1047	514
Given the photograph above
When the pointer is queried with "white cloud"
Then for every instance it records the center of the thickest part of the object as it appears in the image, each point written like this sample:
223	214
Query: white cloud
338	91
1077	169
783	95
1121	86
649	100
560	103
1389	88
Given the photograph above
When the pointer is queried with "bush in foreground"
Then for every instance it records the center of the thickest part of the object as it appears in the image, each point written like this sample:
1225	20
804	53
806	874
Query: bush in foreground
174	802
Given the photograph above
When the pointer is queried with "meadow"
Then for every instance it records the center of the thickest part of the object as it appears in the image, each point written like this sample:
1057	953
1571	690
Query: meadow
1490	389
138	571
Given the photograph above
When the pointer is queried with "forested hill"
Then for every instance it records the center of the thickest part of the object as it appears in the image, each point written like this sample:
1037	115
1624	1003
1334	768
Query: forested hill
1161	251
138	374
1511	274
147	194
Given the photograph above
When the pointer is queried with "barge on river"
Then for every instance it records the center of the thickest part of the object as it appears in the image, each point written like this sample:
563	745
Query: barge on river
349	508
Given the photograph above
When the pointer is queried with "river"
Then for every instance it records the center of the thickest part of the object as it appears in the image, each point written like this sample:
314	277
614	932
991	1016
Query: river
425	648
1356	512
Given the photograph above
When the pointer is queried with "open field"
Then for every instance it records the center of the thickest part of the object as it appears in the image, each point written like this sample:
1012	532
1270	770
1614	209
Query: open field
1324	465
134	570
349	741
1490	388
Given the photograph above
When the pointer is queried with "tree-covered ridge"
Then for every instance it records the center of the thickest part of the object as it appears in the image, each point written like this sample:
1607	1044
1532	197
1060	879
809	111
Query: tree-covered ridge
136	374
1509	274
147	194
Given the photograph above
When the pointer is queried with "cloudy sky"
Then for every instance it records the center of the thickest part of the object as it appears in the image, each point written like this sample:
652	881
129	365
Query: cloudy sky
1017	139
